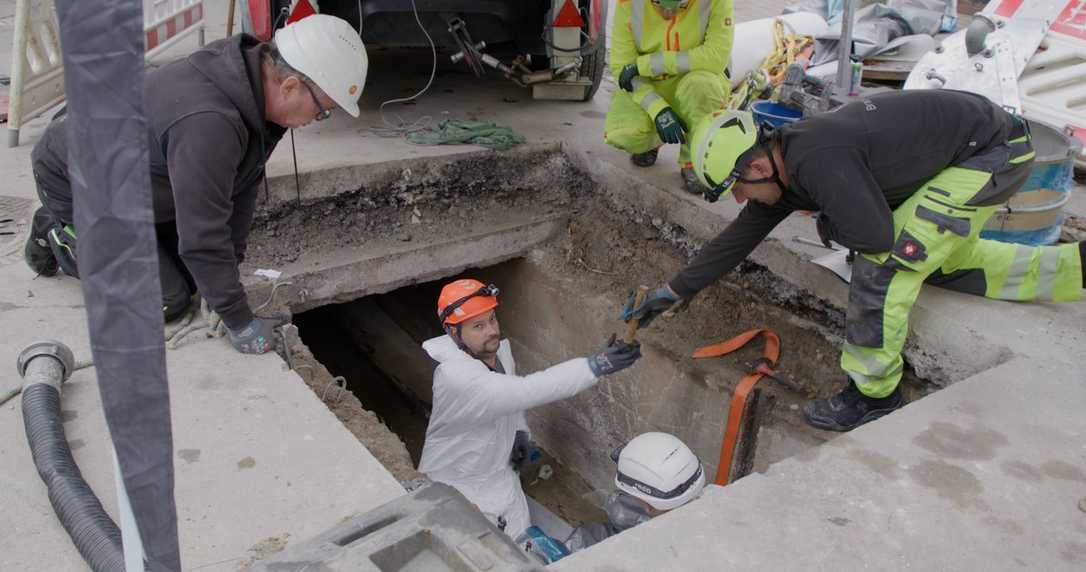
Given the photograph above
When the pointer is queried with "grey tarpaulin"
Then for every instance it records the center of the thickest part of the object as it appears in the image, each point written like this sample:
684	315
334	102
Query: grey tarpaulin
103	48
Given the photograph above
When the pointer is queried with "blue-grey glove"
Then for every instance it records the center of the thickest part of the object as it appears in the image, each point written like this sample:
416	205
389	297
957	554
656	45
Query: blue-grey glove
525	453
257	337
625	78
613	357
656	302
670	127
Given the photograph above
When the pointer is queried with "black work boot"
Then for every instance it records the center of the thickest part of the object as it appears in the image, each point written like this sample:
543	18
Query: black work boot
849	409
36	253
646	159
691	182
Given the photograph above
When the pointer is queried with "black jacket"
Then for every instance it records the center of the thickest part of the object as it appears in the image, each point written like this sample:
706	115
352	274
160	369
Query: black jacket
208	146
856	165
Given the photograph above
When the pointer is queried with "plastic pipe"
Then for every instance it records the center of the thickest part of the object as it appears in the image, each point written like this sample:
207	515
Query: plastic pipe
44	366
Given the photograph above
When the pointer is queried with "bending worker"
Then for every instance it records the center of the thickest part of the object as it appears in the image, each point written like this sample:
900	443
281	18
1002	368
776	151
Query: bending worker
213	119
655	473
669	58
479	402
906	179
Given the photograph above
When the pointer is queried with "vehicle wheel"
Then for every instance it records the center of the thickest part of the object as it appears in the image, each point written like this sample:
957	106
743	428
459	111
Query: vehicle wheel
596	60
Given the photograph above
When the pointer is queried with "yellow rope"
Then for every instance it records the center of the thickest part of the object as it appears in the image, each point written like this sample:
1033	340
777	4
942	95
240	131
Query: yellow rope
785	51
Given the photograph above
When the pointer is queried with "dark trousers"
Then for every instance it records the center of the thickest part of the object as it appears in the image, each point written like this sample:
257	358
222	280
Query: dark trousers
57	211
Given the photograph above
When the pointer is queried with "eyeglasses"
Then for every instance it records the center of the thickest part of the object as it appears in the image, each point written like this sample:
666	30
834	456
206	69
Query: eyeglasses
322	113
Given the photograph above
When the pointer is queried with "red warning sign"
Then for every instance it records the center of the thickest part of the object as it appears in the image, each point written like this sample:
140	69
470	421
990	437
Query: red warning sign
569	16
1072	20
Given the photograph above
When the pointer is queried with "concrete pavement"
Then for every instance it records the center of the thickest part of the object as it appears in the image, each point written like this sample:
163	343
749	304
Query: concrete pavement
976	476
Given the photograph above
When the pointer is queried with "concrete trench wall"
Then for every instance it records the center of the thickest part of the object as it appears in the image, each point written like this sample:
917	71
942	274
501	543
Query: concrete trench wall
579	247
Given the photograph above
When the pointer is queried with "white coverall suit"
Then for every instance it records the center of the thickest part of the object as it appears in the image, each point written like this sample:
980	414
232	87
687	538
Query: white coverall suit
476	414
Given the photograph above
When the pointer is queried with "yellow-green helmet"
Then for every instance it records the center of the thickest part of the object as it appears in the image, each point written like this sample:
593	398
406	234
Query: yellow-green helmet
720	141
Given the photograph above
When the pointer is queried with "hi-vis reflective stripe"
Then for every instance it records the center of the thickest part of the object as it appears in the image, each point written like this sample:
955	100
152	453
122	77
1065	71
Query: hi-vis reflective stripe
1017	274
656	62
650	98
637	20
682	62
875	370
1046	275
704	7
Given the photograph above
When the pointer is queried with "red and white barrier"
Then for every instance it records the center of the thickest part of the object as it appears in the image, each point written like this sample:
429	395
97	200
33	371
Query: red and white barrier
1053	85
37	69
37	72
166	22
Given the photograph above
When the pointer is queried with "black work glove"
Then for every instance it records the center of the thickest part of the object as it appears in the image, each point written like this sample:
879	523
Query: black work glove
524	453
825	230
625	78
257	337
670	127
615	356
656	302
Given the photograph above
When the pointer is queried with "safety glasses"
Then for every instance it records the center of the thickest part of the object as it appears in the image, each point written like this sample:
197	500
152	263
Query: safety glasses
488	290
322	113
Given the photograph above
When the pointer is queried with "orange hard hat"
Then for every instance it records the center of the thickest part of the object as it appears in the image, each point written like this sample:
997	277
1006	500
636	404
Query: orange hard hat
464	299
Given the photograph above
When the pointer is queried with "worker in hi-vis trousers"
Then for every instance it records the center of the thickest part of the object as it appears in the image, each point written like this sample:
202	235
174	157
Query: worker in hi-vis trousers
905	179
669	58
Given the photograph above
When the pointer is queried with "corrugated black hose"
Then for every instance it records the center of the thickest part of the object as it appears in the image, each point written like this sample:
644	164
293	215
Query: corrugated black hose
93	532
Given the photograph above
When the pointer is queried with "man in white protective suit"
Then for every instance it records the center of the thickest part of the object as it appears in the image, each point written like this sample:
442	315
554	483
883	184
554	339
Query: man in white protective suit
477	432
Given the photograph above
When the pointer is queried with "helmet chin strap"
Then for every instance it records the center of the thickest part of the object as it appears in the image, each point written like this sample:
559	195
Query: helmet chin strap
774	178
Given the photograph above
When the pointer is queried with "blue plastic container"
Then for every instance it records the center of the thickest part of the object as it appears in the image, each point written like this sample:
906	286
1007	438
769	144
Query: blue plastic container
774	114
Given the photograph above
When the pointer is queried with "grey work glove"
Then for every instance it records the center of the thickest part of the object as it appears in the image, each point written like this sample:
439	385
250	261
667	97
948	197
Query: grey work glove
656	302
257	337
615	356
625	78
670	127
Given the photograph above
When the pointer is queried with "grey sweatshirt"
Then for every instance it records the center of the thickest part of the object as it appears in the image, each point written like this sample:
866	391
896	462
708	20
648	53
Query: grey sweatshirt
208	145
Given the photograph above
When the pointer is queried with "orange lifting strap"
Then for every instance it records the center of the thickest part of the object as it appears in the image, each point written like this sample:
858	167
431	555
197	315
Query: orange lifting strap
739	398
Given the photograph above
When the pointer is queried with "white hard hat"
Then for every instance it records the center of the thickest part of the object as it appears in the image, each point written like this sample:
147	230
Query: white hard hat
328	51
659	469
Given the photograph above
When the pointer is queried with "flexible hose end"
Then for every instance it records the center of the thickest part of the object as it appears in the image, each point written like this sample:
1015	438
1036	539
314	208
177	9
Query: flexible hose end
51	348
977	34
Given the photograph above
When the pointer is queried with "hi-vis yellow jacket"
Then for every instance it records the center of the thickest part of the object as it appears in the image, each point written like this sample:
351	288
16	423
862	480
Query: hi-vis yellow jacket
698	37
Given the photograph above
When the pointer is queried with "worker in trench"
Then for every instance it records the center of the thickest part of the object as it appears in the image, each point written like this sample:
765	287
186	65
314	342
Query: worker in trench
477	435
654	473
213	119
669	57
904	179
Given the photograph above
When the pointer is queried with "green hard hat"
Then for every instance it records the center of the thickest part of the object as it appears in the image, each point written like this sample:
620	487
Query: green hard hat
719	142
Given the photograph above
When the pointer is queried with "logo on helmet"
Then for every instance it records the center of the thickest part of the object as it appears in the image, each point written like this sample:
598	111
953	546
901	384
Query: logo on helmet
352	90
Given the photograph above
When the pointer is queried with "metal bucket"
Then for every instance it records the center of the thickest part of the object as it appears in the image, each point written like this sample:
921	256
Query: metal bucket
1034	214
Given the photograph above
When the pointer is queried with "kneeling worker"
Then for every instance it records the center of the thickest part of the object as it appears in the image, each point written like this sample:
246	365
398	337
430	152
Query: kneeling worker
655	473
906	179
479	401
213	119
668	57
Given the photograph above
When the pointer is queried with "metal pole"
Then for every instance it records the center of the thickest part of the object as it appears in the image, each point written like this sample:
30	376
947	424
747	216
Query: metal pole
844	46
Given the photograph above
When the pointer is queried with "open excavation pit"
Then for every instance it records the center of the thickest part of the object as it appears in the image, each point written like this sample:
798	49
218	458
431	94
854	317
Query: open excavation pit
362	267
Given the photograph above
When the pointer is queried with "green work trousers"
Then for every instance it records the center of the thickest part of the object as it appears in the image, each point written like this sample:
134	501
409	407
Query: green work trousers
937	241
693	96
